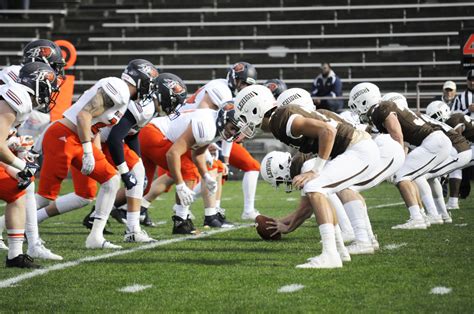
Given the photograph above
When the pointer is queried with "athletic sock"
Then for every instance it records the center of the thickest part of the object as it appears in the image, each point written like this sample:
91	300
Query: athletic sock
415	212
146	204
249	187
210	211
453	201
31	223
218	203
2	224
328	237
441	206
338	236
357	212
343	219
133	221
69	202
429	205
15	242
181	211
368	225
98	228
42	215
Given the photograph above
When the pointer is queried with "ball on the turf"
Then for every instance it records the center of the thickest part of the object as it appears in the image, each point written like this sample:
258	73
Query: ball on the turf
261	226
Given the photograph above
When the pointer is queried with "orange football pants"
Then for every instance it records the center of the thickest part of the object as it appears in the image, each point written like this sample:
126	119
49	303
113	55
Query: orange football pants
241	159
9	191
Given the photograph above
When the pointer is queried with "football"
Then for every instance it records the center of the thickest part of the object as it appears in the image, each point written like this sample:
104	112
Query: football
261	226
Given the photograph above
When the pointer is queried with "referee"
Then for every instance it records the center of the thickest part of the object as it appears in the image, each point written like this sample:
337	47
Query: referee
465	102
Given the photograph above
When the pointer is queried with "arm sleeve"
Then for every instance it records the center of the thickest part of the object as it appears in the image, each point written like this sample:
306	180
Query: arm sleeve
117	135
226	148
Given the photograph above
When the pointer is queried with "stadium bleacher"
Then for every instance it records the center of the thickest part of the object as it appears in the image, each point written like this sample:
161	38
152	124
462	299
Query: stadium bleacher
403	44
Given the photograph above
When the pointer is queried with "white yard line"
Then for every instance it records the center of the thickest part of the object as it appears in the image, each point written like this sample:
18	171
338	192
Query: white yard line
441	290
386	205
38	272
290	288
134	288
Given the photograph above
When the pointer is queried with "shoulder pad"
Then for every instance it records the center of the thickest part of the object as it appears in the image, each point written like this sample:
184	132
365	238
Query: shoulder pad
219	92
116	89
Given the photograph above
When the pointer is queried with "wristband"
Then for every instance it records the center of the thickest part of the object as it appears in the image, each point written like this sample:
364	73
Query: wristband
18	163
319	164
87	147
123	168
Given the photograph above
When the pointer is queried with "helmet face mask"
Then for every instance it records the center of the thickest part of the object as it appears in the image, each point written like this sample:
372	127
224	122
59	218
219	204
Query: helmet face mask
228	127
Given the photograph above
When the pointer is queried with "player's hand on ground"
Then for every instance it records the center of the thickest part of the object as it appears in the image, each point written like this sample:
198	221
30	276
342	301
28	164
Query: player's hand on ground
185	194
278	226
300	180
129	180
211	183
88	163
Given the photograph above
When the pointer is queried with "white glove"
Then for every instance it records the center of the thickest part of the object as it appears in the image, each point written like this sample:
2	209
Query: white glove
88	161
185	194
211	184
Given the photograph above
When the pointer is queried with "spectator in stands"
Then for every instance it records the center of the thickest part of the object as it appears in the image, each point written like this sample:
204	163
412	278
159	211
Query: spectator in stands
464	102
449	93
327	84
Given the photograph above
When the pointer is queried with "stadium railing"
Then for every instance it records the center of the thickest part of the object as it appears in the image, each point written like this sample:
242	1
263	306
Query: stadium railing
49	25
17	39
36	12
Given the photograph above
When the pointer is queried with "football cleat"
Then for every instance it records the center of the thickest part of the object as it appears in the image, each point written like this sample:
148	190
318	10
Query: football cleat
250	215
447	218
412	224
222	218
323	261
181	226
119	214
212	222
88	221
434	219
145	219
137	237
452	206
375	243
22	261
348	237
38	250
92	243
3	245
426	219
359	248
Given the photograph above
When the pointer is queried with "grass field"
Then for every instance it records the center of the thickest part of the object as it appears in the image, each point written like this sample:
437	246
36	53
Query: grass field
235	271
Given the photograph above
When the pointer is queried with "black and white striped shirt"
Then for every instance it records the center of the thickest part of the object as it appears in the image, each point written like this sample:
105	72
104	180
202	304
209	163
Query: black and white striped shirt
462	102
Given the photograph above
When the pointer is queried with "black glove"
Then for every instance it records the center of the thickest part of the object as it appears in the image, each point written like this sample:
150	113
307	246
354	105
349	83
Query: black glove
129	179
25	175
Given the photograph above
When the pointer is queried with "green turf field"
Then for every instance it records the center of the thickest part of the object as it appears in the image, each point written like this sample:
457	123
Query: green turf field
235	271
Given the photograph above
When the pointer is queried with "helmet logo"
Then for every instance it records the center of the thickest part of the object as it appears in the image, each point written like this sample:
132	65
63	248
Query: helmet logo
272	86
359	93
228	106
238	67
148	70
290	99
41	51
245	99
268	167
174	86
43	75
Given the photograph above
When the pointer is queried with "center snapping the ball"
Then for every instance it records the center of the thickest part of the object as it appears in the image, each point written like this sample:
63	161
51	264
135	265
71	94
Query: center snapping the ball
261	226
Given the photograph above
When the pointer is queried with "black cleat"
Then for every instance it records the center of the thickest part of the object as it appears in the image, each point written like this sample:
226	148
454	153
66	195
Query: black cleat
88	221
181	226
222	218
212	221
119	214
145	219
22	261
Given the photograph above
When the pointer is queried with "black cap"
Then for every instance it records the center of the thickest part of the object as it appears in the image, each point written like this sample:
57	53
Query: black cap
470	75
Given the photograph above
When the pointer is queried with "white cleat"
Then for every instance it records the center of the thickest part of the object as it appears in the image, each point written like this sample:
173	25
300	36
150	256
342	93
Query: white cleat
92	243
348	237
375	243
250	215
426	219
38	250
344	254
137	237
360	248
452	206
3	246
434	219
323	261
447	219
412	224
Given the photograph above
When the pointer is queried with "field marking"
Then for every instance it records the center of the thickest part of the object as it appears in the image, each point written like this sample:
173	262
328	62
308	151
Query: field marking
394	246
134	288
441	290
43	271
460	225
290	288
386	205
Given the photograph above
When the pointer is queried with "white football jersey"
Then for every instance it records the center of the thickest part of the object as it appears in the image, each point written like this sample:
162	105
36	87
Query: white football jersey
218	91
10	74
203	124
18	99
143	112
35	124
116	89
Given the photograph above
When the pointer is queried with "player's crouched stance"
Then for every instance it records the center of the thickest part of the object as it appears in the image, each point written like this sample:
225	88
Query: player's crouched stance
353	157
37	81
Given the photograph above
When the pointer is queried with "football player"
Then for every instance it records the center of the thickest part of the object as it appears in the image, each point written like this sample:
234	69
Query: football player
431	147
36	84
68	142
277	86
353	157
48	52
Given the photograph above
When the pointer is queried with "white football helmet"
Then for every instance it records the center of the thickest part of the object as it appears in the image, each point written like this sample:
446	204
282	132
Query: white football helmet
251	105
364	96
397	98
296	96
438	110
275	169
